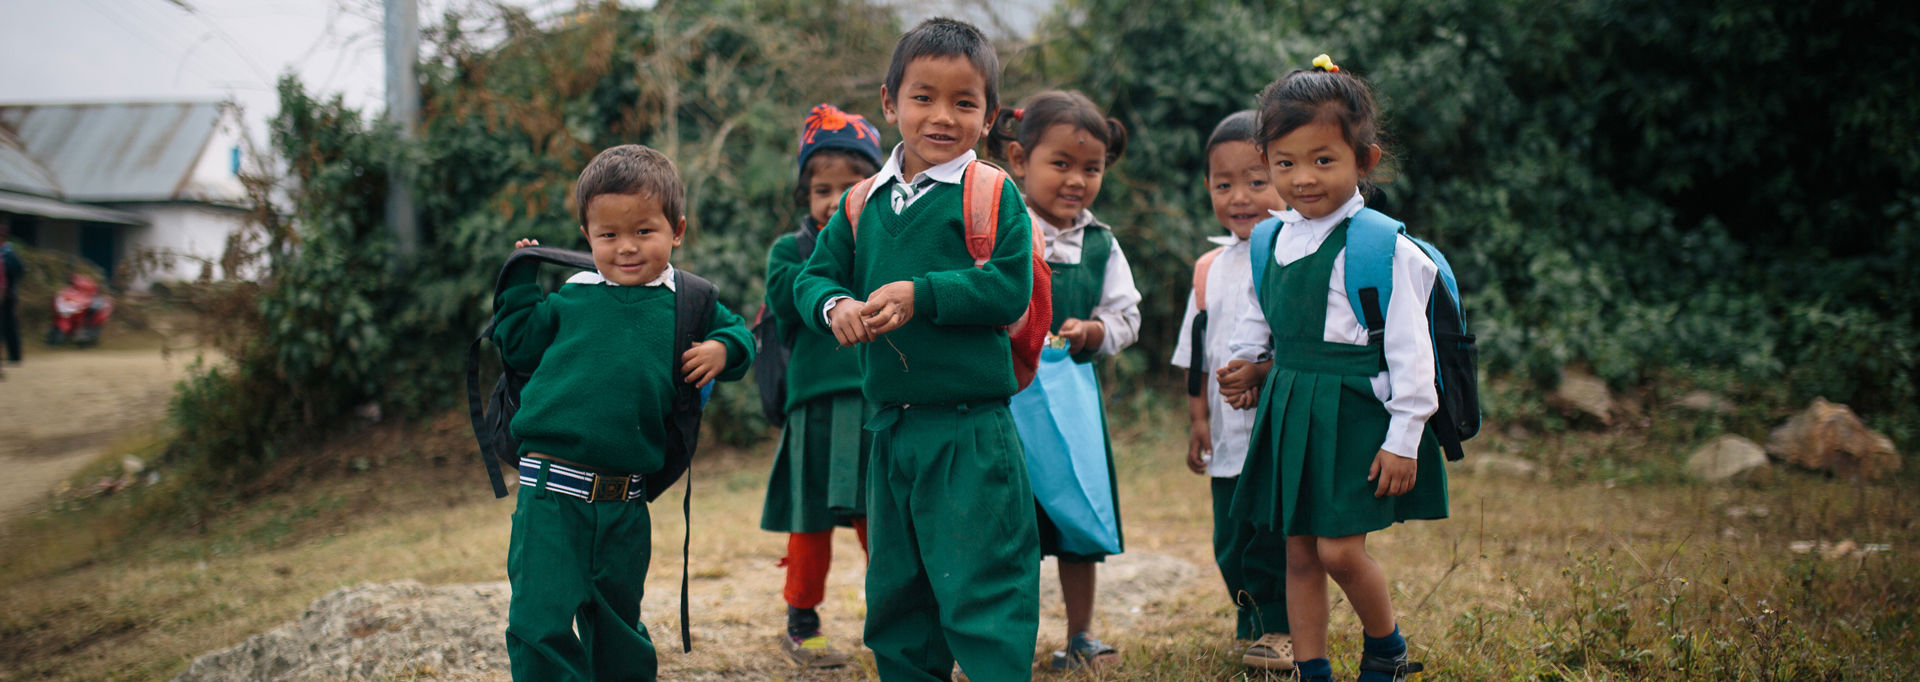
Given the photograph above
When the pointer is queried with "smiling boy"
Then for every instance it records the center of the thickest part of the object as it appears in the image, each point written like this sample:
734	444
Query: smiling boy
954	571
595	412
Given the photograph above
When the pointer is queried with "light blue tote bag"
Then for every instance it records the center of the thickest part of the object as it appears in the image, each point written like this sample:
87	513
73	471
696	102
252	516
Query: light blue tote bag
1058	417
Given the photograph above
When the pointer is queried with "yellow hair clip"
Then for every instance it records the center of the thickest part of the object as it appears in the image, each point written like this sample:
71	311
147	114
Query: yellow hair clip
1325	63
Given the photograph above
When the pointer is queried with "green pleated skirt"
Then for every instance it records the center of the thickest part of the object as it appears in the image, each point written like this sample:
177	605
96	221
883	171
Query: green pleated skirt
819	476
1309	455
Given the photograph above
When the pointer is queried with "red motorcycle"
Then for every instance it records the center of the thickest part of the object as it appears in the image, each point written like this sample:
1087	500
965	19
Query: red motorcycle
79	312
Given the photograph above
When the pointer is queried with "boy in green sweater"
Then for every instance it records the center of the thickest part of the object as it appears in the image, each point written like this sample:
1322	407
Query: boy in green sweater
593	421
954	566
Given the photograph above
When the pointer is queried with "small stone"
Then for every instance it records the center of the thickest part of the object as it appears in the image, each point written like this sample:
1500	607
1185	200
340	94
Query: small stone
1583	393
1703	401
1724	458
1491	464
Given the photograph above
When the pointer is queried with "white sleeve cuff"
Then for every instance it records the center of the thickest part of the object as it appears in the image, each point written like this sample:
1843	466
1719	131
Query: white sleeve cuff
826	311
1403	437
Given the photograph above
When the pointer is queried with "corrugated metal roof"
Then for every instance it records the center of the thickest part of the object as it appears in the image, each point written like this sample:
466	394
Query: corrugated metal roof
54	208
19	171
110	151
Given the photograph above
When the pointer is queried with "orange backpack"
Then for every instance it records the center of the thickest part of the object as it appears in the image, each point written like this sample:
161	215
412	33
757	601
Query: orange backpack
980	210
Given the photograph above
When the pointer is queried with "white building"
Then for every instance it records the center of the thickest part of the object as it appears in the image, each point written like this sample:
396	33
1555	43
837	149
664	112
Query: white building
105	181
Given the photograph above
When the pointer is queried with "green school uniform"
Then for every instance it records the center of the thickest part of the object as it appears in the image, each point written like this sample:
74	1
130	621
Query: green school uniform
600	395
1076	292
819	475
954	571
1320	424
1253	563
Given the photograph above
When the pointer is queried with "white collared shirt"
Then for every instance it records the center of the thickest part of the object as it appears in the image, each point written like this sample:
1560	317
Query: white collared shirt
664	280
1406	388
1119	305
951	172
1227	295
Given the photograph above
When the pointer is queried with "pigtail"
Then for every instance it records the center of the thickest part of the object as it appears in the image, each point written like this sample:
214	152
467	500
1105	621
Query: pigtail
1004	130
1116	140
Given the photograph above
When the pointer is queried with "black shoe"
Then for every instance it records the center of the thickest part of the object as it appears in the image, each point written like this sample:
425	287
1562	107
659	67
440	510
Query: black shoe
1397	666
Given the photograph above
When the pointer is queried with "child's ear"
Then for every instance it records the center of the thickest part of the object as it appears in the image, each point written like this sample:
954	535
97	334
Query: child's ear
886	106
1373	158
679	231
1017	160
583	232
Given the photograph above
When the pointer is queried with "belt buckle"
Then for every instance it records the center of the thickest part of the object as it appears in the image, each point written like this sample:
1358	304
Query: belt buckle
608	488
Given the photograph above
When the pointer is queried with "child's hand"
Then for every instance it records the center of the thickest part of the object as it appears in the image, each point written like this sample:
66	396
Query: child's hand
1395	474
1082	334
888	308
704	361
1199	444
848	328
1244	400
524	243
1199	433
1240	376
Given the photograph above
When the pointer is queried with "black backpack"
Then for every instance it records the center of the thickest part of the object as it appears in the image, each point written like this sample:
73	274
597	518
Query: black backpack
693	303
770	358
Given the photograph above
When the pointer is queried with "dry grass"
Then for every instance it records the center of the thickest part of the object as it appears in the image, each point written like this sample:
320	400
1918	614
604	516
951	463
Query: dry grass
1529	580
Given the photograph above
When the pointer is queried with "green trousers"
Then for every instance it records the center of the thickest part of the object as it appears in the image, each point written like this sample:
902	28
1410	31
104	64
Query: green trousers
572	562
1254	565
955	566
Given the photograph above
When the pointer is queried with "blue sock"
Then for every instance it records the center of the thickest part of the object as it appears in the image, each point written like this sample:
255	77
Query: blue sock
1314	669
1390	646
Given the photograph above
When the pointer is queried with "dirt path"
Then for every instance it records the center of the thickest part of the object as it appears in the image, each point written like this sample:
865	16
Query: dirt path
60	407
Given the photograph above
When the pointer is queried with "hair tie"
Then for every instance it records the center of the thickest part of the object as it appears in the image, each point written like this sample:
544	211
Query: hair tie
1325	63
1018	113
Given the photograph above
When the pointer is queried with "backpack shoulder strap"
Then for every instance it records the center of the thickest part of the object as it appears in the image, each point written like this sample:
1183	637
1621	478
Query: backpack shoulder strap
855	201
1264	233
531	255
1369	266
980	209
693	301
1200	269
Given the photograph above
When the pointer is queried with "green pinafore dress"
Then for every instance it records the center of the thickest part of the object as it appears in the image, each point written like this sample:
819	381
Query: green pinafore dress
1319	424
1076	292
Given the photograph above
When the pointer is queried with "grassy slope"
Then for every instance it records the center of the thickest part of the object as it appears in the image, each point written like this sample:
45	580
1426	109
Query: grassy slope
1529	580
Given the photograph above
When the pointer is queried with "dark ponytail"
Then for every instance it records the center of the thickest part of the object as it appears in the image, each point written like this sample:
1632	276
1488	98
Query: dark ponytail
1050	108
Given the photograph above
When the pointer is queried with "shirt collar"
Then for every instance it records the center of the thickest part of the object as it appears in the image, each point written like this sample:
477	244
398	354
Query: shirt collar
950	172
666	279
1289	218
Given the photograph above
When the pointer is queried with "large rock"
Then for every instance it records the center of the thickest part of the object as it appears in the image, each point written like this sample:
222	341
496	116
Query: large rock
1583	393
1724	458
1830	437
374	631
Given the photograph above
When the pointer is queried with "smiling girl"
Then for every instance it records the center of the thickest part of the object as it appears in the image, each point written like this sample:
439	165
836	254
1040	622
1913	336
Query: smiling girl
1059	147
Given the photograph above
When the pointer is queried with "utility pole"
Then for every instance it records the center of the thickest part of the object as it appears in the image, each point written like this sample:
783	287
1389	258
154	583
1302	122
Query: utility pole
403	109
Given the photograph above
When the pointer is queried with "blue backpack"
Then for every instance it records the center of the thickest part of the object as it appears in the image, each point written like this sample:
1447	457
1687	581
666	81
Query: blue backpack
1369	274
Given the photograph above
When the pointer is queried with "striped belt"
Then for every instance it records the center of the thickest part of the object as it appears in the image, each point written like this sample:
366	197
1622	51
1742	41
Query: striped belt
581	483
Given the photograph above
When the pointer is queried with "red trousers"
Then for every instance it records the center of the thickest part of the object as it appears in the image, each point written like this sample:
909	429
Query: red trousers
809	555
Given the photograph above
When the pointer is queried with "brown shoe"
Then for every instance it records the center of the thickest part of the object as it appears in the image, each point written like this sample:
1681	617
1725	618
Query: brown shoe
1273	651
813	652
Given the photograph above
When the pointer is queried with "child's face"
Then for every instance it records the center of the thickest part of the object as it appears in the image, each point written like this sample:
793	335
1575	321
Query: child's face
1315	169
1061	174
832	175
631	237
1237	182
941	109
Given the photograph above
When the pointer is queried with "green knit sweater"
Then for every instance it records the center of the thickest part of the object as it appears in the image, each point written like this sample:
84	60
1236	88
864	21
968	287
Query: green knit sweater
819	367
603	365
955	348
